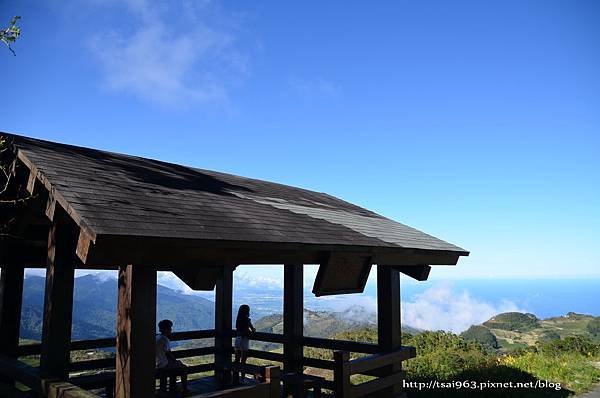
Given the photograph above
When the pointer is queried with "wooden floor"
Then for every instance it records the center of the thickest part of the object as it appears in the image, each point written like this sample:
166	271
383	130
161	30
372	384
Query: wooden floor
197	386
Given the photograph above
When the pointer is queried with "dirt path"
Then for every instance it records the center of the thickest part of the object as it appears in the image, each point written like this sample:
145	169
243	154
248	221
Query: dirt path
595	393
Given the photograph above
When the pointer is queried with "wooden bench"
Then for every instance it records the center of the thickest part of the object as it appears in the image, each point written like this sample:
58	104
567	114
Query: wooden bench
104	380
298	384
169	374
8	391
236	368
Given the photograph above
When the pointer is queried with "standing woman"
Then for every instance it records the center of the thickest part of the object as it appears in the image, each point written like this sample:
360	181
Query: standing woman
244	328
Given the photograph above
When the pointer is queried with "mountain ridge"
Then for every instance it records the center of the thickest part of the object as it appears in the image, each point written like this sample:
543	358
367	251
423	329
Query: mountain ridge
510	330
95	304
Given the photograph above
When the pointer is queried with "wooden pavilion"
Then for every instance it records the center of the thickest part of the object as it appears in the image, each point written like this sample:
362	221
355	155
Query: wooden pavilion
100	210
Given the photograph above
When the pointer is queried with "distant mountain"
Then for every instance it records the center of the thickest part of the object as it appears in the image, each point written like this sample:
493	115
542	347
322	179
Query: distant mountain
326	323
95	305
513	321
514	329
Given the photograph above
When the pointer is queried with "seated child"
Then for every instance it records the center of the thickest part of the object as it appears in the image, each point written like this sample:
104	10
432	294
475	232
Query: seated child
164	357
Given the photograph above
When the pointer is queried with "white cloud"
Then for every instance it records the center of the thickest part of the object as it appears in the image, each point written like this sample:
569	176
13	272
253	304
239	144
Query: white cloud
171	54
244	279
344	302
442	308
35	272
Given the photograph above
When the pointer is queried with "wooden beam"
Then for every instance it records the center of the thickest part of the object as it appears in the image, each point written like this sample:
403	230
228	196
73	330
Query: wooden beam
418	272
50	207
136	325
293	316
223	315
176	252
83	244
57	196
376	361
388	320
340	345
173	253
341	273
416	258
31	180
202	278
11	298
58	298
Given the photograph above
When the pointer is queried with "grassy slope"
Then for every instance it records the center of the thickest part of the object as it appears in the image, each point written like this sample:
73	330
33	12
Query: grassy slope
564	326
447	357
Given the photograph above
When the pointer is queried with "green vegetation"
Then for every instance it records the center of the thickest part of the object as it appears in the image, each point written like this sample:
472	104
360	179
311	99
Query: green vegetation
11	33
548	335
514	331
593	327
482	335
446	357
514	321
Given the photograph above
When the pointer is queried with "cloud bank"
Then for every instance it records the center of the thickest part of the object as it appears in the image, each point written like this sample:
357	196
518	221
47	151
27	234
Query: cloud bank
442	308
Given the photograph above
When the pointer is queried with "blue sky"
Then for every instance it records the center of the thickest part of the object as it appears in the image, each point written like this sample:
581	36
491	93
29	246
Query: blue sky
476	122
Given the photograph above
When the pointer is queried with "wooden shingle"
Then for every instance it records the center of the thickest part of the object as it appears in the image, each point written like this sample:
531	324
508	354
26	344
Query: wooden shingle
116	196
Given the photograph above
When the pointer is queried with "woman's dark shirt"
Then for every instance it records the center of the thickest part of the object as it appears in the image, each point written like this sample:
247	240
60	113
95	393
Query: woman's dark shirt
242	325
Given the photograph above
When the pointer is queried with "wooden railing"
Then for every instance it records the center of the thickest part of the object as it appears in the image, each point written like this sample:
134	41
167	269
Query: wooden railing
372	364
111	342
46	387
103	363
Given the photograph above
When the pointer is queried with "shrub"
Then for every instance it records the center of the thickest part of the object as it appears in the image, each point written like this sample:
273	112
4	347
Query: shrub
594	327
442	356
480	334
571	344
548	335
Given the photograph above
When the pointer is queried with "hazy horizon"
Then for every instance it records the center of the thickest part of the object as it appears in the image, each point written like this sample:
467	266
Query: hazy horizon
451	305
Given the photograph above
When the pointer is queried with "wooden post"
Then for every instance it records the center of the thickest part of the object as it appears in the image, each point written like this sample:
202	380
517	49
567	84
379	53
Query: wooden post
11	298
58	298
341	374
223	315
136	337
293	316
273	377
388	319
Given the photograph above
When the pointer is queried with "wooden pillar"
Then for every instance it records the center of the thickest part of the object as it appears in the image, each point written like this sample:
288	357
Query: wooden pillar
388	319
223	316
136	337
293	316
341	374
58	298
11	298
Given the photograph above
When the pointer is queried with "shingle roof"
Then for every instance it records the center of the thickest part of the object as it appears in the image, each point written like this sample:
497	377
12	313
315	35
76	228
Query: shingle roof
121	195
